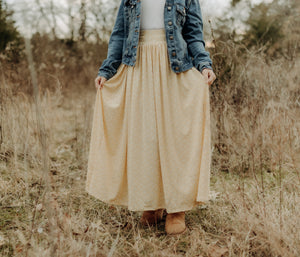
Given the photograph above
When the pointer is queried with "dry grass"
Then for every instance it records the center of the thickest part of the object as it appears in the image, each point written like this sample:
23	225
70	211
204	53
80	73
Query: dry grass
45	210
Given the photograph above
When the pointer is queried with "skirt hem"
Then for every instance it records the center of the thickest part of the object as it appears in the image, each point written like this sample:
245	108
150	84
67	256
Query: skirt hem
169	210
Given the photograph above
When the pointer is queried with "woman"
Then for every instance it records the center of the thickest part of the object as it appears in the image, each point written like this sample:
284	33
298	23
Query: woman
150	141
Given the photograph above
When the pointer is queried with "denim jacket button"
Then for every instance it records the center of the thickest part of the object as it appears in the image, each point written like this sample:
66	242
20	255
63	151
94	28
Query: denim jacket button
170	22
169	8
173	53
171	37
176	68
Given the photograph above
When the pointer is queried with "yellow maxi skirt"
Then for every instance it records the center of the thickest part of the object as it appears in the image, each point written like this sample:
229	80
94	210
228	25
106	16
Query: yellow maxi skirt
150	142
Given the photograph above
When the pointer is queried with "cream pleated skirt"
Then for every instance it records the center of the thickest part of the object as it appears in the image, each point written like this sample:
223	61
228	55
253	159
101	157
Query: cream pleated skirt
150	139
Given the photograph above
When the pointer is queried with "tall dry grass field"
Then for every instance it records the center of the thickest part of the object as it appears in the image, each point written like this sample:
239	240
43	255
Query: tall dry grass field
45	121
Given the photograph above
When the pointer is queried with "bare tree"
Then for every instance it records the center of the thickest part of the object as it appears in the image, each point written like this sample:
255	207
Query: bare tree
83	18
71	22
52	11
45	16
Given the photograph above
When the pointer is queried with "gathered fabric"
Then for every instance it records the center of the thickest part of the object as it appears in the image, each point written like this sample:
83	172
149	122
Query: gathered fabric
150	142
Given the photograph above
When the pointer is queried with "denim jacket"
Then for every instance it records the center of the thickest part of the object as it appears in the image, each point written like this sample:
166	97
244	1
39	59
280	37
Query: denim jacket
184	36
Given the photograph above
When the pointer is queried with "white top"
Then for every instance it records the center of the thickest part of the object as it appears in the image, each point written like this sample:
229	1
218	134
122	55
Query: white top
152	14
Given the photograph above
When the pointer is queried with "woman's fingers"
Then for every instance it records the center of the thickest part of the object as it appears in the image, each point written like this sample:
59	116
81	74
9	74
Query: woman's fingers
205	73
102	82
99	81
209	76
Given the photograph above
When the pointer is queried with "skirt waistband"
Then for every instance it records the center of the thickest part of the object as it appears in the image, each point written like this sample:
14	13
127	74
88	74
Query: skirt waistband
152	35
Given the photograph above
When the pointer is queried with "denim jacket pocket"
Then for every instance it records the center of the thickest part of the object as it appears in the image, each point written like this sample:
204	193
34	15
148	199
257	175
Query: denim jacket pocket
129	9
129	12
180	14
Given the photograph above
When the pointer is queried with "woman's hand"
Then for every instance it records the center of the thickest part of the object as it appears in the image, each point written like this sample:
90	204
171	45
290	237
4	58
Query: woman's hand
99	82
209	75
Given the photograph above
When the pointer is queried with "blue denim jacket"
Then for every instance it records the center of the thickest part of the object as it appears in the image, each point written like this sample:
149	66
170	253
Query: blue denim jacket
184	36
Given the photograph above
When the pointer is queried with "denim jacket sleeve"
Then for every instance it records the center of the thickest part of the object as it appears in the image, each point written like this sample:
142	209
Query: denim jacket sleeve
113	60
193	34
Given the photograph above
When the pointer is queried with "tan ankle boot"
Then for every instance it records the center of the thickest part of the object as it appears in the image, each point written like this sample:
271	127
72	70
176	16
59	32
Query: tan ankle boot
151	217
175	223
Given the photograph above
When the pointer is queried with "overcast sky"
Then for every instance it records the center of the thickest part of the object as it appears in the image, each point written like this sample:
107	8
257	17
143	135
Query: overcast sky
26	9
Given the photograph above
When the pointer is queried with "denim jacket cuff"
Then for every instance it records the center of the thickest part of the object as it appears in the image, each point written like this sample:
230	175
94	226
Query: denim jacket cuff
203	65
105	74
